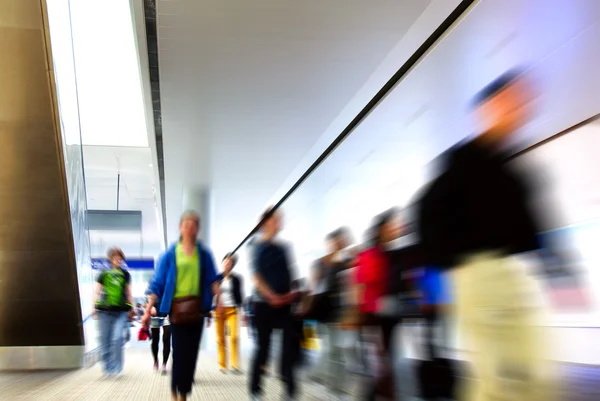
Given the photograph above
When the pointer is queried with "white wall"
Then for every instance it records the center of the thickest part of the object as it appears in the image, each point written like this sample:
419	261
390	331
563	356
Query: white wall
385	160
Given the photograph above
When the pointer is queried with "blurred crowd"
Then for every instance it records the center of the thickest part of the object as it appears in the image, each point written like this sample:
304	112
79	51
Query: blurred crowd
452	255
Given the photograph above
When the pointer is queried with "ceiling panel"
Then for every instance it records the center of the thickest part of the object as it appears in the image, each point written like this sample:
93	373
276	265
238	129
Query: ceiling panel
128	172
248	87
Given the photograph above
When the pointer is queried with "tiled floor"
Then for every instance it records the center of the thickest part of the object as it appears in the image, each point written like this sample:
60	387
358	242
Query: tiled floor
140	382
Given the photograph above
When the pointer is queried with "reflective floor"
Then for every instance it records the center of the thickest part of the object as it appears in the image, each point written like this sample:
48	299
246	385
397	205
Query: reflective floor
140	382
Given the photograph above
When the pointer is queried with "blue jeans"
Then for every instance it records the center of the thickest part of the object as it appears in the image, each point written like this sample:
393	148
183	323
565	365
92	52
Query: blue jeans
112	326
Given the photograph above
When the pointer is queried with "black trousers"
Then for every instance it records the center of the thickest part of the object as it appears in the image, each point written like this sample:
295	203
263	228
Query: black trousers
267	319
166	343
297	342
186	343
384	386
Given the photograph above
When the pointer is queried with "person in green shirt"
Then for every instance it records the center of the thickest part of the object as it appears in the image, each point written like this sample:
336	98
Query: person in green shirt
113	305
186	269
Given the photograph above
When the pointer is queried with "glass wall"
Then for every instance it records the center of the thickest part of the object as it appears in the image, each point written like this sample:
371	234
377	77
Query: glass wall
66	88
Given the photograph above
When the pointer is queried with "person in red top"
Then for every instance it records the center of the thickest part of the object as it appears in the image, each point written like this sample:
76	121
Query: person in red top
372	281
373	268
371	276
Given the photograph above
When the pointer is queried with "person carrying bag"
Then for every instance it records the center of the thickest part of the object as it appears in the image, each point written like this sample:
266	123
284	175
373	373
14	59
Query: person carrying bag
436	375
184	283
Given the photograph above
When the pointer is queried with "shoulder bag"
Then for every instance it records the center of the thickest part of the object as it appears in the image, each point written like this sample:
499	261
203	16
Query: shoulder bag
187	310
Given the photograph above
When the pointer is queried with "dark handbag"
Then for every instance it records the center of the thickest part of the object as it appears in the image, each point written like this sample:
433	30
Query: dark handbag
437	376
186	310
437	379
320	308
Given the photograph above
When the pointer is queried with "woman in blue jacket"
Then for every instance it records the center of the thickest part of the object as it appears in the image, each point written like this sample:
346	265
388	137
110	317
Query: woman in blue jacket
186	270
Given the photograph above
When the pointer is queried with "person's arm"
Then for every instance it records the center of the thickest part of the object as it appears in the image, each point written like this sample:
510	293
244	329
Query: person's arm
216	287
156	288
148	312
291	261
128	293
240	284
562	281
216	290
211	275
435	210
130	301
563	286
265	291
98	288
260	284
97	292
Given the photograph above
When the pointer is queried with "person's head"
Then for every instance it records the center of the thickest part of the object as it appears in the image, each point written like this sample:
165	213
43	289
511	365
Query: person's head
272	222
503	106
386	227
229	262
338	240
344	237
116	257
333	242
189	225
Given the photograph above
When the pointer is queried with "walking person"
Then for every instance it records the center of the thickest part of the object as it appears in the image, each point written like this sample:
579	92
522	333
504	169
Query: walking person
229	301
183	288
273	275
331	368
474	218
248	319
156	323
113	304
373	276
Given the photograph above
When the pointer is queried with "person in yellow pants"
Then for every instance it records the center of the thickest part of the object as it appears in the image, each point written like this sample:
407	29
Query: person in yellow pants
229	300
501	320
476	219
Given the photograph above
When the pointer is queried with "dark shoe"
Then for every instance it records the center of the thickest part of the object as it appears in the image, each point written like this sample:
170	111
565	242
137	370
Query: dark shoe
236	371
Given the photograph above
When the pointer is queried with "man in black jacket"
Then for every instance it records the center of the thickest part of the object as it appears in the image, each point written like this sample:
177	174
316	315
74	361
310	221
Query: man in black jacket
229	301
273	273
474	218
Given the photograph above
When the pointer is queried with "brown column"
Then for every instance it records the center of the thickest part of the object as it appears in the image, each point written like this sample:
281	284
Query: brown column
40	317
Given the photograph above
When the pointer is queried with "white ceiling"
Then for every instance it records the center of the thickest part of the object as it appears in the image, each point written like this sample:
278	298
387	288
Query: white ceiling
103	108
109	86
136	189
251	97
248	87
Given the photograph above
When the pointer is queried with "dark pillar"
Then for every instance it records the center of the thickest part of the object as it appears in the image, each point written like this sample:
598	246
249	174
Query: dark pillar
40	316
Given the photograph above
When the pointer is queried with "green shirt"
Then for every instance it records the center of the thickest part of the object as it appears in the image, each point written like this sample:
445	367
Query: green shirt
114	290
188	273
